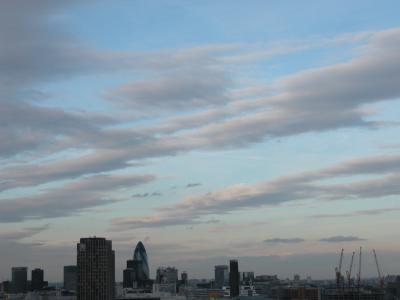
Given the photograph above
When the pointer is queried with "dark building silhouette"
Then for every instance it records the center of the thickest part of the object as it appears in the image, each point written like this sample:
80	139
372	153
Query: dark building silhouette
129	275
70	278
184	277
6	287
19	283
234	278
96	269
37	280
221	275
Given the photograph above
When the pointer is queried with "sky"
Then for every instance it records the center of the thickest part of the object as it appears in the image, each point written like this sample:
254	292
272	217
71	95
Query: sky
266	131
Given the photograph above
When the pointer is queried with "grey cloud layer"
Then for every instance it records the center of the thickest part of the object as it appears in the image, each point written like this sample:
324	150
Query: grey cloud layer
304	103
34	52
182	90
22	234
357	213
69	199
302	186
341	238
284	241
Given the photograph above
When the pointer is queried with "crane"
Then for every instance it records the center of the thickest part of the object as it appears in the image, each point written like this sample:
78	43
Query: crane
359	272
381	282
348	273
338	269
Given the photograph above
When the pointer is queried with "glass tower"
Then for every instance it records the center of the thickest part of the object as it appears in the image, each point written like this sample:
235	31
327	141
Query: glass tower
140	256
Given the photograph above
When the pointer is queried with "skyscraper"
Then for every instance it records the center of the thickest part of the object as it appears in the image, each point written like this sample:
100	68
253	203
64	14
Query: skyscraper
136	274
142	264
19	282
37	279
234	278
221	275
70	277
96	269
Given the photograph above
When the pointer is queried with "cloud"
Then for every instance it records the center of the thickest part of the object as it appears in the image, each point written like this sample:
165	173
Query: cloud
194	184
320	99
341	238
26	127
186	89
24	233
305	102
366	212
145	195
316	100
70	199
284	241
296	187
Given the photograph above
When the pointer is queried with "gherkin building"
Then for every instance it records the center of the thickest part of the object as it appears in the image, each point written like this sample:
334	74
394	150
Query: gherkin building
141	261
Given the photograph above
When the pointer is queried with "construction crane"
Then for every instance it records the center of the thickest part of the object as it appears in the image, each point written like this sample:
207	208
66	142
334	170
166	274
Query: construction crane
338	270
359	272
381	281
348	273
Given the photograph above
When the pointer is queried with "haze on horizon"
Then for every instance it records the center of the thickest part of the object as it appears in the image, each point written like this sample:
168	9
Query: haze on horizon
263	130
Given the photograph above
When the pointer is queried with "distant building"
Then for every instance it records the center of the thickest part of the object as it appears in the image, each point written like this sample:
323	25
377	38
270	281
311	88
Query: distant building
167	275
234	278
393	289
37	280
5	287
129	277
137	272
296	293
167	280
184	278
19	282
363	294
221	275
248	277
70	278
142	264
96	269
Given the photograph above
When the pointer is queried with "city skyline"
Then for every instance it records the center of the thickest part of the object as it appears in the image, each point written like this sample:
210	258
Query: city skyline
263	132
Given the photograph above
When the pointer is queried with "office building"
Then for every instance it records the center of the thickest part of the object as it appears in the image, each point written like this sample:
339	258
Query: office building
167	280
221	275
19	282
37	280
141	263
167	275
70	277
136	274
184	278
234	278
5	287
96	269
129	277
248	277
